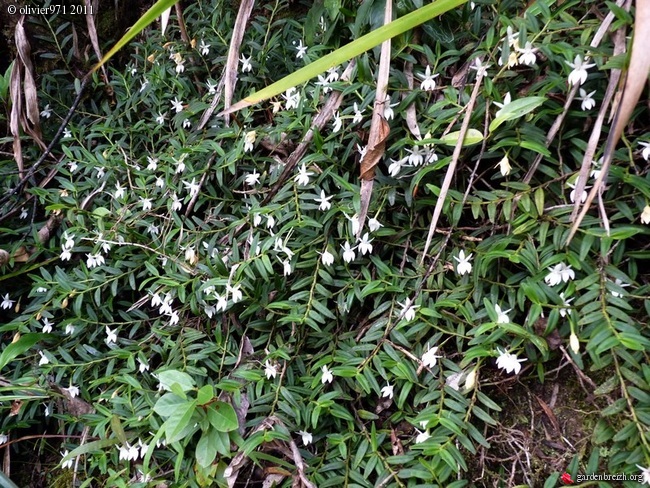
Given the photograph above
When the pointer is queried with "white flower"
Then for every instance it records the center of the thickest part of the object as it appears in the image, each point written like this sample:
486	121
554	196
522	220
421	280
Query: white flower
481	69
44	360
69	241
579	74
160	118
67	464
270	370
416	155
143	365
572	195
504	166
333	74
65	255
502	315
47	112
306	437
246	65
428	80
146	203
509	362
565	304
324	201
327	377
193	187
212	87
394	167
287	267
422	436
111	336
506	100
236	293
358	116
100	172
177	105
645	215
622	285
302	50
327	258
180	67
176	203
152	163
292	97
354	220
73	166
270	221
205	48
66	133
190	255
429	358
180	166
69	329
257	220
453	380
364	244
322	81
645	474
348	252
362	152
595	173
388	108
464	266
173	317
408	310
574	343
94	260
143	85
253	178
645	154
559	273
7	302
160	183
119	191
47	326
72	390
587	100
387	391
374	225
187	124
302	178
527	54
338	123
249	140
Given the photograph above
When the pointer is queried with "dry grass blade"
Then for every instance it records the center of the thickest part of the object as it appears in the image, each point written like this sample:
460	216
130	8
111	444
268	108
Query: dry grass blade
14	116
410	112
379	128
636	79
452	165
92	33
229	79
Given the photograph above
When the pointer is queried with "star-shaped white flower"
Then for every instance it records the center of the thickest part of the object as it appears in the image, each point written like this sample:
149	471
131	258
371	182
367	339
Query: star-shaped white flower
270	370
374	225
565	304
365	245
327	258
509	362
429	358
338	123
559	273
193	187
408	310
7	302
579	74
307	438
358	116
205	48
645	475
177	105
327	377
302	50
527	54
47	325
587	100
246	65
324	201
302	178
502	315
253	178
111	336
504	166
387	391
464	266
146	203
506	100
645	215
428	80
348	252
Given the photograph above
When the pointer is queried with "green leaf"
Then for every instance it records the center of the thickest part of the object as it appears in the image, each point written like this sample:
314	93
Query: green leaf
222	416
169	377
205	395
168	404
516	109
178	421
20	346
472	136
206	448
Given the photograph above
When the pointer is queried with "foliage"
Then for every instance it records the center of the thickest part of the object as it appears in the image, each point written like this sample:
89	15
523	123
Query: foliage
201	319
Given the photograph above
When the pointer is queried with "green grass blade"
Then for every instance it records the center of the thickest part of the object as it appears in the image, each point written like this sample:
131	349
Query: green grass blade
149	16
349	51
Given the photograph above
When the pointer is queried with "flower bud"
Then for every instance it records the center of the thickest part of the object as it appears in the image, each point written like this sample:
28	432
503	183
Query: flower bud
574	343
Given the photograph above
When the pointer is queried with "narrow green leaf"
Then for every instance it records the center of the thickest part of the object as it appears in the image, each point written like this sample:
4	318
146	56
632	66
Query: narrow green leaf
516	109
20	346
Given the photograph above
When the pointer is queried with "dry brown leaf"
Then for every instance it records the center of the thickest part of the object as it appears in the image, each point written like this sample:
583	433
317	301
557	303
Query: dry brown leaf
379	133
